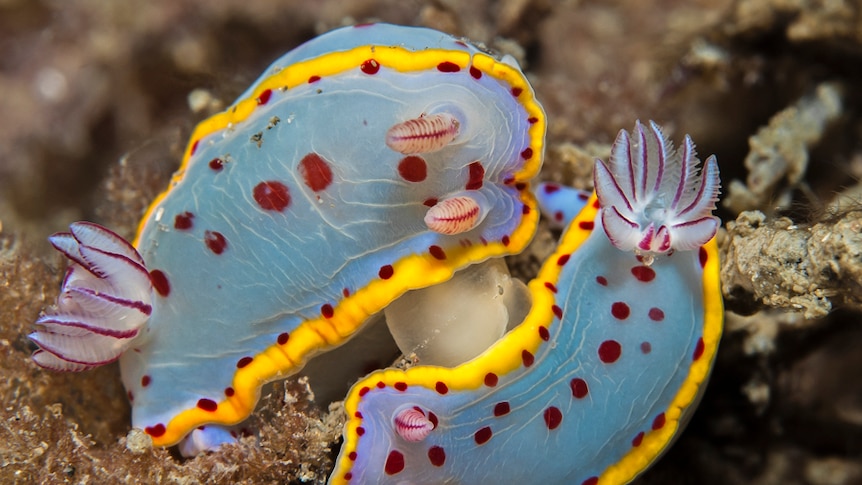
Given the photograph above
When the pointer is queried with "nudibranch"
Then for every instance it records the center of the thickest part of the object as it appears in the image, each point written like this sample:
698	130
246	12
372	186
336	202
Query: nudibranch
595	382
369	161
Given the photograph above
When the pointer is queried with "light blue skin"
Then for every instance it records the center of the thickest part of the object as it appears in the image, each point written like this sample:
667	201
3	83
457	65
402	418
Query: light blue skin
560	204
279	268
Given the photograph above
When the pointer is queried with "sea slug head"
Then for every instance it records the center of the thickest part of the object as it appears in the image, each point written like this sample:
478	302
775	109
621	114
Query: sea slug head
655	199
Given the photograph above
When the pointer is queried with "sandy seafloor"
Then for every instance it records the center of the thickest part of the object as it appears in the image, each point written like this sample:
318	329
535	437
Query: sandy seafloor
94	115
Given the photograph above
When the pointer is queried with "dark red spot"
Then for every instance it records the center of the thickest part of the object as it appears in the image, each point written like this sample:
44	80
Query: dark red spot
491	379
271	195
394	462
658	422
437	252
155	431
527	357
558	216
264	97
483	435
557	311
283	338
579	388
313	79
527	153
436	455
525	209
360	431
183	221
501	409
352	456
521	185
655	314
160	282
357	415
638	439
194	147
327	311
244	362
477	175
553	417
380	385
441	387
228	391
543	333
643	273
413	169
477	74
216	164
364	391
562	260
370	66
430	202
447	66
586	225
551	188
401	386
698	349
207	405
145	381
386	272
703	256
609	351
532	120
620	310
591	481
315	171
505	240
348	476
215	241
602	280
646	347
345	292
550	286
517	92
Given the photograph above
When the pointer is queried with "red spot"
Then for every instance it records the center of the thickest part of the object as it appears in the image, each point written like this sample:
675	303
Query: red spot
698	349
477	175
447	66
553	417
357	415
348	476
363	391
315	171
370	66
532	120
216	164
380	385
501	409
436	455
562	260
609	351
215	241
643	273
551	188
584	197
483	435
655	314
586	225
646	347
313	79
345	292
579	388
658	422
360	431
543	333
441	387
155	431
557	311
194	147
145	381
591	481
602	280
521	185
430	202
130	396
327	311
264	97
491	379
558	216
527	358
505	240
183	221
271	195
386	272
394	462
703	256
437	252
517	92
525	210
160	282
527	153
620	310
477	74
413	169
550	286
638	439
283	338
401	386
228	391
243	362
352	456
207	405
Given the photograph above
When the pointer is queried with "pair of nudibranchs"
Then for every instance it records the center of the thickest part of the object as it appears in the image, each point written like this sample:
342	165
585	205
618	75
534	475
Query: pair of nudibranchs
378	159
